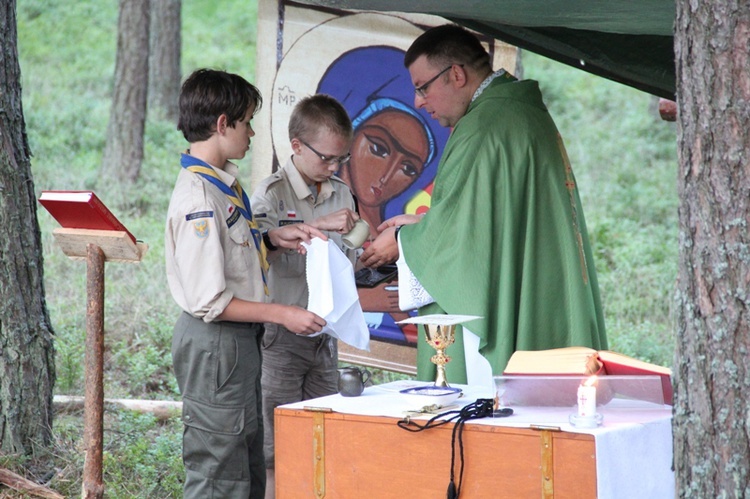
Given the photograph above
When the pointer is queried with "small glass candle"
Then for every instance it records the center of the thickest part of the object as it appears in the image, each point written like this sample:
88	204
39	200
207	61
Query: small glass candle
587	398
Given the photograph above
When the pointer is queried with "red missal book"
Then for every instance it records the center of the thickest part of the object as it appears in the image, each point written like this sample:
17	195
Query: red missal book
586	361
81	210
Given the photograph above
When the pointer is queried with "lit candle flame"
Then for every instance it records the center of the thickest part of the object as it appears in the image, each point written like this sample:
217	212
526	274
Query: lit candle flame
591	381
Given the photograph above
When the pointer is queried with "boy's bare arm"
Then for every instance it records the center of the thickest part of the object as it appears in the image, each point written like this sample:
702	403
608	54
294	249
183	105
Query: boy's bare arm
293	318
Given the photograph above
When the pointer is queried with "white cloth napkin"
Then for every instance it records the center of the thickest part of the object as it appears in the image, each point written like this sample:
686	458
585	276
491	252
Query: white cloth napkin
333	294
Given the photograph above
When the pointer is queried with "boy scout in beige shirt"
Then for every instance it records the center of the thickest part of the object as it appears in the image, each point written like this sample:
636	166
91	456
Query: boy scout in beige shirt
305	190
216	272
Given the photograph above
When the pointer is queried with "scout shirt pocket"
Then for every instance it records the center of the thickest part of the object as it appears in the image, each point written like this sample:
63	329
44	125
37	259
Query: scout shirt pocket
241	255
290	264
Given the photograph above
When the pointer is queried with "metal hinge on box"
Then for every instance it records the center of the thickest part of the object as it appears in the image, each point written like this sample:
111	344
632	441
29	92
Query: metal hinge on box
319	450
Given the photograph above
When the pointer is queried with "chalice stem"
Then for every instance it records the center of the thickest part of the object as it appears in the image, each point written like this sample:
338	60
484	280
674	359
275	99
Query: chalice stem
440	360
440	379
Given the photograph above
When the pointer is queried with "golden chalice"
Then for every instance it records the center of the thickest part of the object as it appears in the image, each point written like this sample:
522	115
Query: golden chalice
440	333
440	337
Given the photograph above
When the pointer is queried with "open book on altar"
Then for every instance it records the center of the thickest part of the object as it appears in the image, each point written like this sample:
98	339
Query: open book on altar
584	361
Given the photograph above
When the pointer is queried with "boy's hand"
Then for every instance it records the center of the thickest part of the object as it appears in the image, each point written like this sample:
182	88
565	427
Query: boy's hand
340	221
301	321
292	236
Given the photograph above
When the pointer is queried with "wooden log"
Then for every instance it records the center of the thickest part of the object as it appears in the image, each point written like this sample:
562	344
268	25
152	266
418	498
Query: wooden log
668	109
21	484
161	409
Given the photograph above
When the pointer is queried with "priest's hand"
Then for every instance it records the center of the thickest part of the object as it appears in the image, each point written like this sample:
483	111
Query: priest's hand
399	220
383	250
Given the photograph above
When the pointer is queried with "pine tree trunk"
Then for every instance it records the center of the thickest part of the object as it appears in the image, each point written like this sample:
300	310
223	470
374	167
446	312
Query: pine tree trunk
712	368
123	153
164	58
27	357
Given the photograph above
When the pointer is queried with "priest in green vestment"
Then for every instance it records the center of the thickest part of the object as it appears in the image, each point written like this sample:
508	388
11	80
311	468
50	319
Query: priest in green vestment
505	236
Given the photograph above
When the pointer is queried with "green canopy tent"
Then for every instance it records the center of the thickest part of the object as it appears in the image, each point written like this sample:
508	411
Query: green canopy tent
627	41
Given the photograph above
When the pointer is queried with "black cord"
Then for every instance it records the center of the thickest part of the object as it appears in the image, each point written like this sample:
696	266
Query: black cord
434	422
482	408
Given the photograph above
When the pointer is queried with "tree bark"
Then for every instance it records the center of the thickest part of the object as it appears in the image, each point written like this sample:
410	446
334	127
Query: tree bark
123	153
712	372
93	415
164	58
27	365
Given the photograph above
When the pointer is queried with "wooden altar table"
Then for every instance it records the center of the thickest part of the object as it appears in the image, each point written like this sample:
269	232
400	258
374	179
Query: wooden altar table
339	447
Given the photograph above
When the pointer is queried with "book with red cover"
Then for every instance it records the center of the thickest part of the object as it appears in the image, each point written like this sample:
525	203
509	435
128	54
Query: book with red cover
81	210
586	361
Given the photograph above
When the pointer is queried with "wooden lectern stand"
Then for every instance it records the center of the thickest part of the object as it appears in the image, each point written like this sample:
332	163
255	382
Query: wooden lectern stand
96	246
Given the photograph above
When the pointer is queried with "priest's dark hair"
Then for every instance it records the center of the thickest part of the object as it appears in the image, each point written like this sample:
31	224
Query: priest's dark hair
449	44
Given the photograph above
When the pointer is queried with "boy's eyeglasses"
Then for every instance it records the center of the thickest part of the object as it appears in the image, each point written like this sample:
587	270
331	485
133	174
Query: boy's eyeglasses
330	160
422	89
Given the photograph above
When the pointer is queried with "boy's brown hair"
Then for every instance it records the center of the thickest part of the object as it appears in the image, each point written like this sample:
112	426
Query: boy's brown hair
319	111
207	94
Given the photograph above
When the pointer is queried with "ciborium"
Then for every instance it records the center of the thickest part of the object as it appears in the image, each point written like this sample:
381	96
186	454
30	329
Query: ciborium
440	337
440	333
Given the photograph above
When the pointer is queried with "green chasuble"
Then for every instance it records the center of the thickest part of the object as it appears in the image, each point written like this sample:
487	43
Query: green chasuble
505	236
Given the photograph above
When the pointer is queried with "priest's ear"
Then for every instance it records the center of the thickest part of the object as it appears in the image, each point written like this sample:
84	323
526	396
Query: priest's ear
459	74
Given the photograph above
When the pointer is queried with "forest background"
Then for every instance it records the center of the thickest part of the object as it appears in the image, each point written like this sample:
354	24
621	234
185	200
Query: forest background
623	155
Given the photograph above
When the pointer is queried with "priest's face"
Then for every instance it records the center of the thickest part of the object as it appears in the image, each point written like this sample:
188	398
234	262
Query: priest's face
436	92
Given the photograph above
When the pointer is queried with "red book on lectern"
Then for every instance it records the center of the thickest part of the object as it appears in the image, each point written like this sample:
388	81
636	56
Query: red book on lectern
81	210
